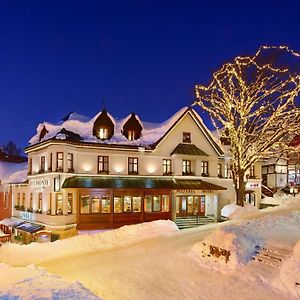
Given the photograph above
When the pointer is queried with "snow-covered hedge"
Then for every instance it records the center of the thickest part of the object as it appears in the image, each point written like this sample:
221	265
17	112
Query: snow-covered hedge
21	255
233	211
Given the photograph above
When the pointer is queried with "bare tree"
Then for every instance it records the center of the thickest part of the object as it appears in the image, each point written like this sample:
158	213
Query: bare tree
252	102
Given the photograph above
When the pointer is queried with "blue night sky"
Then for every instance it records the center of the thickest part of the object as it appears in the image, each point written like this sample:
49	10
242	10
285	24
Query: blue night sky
141	56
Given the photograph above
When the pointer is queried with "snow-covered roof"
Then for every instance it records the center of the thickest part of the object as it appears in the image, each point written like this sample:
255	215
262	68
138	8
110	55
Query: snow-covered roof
77	124
13	172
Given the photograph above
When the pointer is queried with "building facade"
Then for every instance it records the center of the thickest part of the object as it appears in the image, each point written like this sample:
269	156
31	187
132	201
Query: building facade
104	173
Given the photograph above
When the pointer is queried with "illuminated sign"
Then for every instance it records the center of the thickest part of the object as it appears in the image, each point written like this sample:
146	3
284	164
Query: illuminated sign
25	215
185	192
253	185
39	183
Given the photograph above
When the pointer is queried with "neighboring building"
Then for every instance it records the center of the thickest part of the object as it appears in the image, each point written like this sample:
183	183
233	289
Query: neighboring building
104	173
12	169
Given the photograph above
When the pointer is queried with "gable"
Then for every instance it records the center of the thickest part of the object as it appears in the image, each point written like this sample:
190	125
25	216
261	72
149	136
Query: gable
200	137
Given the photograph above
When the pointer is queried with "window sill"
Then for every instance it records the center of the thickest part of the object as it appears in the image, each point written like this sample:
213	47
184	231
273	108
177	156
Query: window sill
103	172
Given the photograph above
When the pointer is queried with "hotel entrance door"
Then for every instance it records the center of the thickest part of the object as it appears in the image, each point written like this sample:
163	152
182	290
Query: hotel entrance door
190	205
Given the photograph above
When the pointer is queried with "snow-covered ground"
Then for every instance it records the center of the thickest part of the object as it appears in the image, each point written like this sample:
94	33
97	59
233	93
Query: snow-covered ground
156	261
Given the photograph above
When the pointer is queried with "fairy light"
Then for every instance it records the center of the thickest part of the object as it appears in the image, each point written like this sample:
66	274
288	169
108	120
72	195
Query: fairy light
256	104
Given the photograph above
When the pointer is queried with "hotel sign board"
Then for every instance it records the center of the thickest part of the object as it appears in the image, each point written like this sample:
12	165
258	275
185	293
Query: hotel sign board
185	191
39	183
25	215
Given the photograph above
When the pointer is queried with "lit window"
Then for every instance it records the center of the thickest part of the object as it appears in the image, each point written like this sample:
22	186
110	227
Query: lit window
156	203
186	137
127	204
103	164
85	204
59	204
186	167
70	203
148	203
23	199
70	162
60	161
40	203
117	204
204	168
252	171
131	135
6	201
132	165
136	204
103	132
105	209
167	166
95	205
165	203
42	164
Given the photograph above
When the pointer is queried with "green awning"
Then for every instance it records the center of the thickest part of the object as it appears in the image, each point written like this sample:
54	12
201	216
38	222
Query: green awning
188	149
138	183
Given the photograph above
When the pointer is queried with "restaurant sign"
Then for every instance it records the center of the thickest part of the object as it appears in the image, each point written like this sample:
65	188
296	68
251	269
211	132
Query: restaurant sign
39	183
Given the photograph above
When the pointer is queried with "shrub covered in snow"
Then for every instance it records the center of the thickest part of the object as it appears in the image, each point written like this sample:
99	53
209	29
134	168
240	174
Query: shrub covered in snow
228	246
233	211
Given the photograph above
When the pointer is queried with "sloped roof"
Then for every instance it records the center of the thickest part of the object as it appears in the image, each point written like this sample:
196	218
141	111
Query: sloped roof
138	183
188	149
152	133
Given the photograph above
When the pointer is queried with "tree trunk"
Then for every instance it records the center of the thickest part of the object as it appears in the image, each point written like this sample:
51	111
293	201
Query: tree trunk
241	190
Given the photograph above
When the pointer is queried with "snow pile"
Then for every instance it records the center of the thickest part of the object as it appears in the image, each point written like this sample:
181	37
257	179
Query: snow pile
233	211
228	246
21	255
36	283
283	200
13	172
289	277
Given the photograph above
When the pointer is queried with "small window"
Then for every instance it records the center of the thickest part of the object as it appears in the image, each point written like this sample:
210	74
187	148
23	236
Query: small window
127	204
186	167
23	199
40	203
95	205
31	200
186	137
103	164
19	199
165	203
85	204
156	203
167	167
70	203
148	203
105	208
103	133
132	165
42	164
227	171
6	200
136	204
117	204
30	166
50	163
131	135
204	168
60	161
70	163
252	171
59	204
220	170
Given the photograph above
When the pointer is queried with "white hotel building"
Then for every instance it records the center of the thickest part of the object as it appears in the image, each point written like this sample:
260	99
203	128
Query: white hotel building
104	173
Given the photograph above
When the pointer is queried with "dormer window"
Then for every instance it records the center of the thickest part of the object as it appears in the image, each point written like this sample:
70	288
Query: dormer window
132	129
131	135
103	127
186	137
103	133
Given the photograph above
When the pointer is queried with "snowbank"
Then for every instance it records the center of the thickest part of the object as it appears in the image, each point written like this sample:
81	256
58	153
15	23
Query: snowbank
283	200
13	172
289	277
21	255
233	211
232	248
32	283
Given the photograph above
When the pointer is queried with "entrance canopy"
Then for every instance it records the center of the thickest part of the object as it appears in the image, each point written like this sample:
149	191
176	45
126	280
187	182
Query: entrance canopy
138	183
22	225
